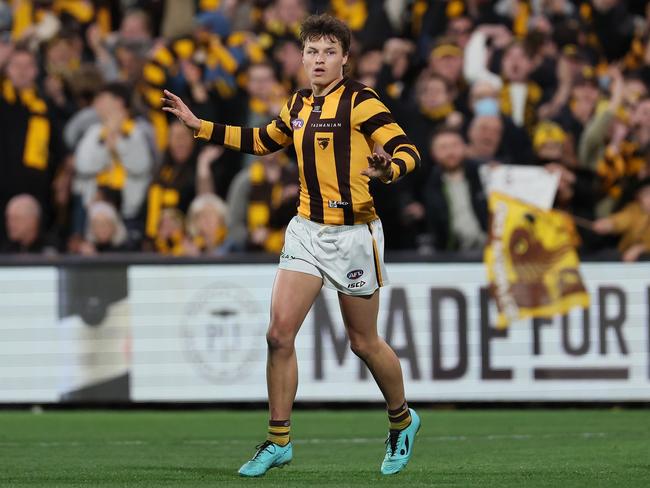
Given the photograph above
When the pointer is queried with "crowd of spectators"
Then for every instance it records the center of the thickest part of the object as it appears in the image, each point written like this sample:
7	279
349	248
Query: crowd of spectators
90	164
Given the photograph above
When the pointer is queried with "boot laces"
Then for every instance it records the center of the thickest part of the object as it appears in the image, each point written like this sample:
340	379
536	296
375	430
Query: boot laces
391	441
261	448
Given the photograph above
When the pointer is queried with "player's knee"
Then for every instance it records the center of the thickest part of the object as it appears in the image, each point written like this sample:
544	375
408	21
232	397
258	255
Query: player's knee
360	347
279	340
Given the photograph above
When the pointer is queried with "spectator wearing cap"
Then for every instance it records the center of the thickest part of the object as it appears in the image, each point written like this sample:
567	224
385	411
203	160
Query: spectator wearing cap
114	156
30	140
446	61
632	223
578	189
550	144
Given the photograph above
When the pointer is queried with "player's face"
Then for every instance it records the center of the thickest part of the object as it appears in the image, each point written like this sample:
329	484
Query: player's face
323	60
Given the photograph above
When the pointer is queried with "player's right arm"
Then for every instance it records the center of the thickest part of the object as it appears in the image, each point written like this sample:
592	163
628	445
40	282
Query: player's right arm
252	140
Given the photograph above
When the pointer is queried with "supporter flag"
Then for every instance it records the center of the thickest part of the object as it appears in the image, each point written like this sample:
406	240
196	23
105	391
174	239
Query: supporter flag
531	261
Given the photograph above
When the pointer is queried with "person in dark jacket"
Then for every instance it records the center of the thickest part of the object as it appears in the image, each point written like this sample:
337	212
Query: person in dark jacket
31	144
456	205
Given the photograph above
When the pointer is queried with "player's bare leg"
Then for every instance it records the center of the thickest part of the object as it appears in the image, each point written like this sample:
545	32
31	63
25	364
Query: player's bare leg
293	295
360	317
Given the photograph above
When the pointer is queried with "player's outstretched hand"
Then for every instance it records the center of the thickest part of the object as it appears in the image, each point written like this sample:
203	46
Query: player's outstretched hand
378	167
176	106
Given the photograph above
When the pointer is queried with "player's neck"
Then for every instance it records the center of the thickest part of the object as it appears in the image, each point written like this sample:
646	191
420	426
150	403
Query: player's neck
321	91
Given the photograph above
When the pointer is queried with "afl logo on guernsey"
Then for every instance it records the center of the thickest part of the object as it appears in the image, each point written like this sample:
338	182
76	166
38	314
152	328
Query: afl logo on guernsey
297	124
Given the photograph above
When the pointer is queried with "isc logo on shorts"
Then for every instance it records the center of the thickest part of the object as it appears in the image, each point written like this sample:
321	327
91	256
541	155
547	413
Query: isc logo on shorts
358	284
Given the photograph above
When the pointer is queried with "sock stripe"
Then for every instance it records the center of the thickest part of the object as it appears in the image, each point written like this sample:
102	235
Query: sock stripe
279	432
279	423
399	418
398	410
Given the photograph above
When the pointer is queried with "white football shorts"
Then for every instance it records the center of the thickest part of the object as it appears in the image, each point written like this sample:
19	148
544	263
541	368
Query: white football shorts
349	258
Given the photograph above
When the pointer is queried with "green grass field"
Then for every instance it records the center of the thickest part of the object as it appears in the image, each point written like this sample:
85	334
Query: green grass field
557	448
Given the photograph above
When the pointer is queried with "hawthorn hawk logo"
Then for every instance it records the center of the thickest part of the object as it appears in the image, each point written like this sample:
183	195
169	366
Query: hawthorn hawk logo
323	142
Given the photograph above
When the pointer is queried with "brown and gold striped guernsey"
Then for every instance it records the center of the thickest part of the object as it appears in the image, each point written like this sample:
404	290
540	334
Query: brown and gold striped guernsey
332	135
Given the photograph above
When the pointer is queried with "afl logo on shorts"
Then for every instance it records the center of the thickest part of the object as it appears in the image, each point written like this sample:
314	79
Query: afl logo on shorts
354	274
297	124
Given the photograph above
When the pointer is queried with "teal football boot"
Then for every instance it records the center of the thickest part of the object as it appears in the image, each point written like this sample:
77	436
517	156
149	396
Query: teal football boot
268	455
399	446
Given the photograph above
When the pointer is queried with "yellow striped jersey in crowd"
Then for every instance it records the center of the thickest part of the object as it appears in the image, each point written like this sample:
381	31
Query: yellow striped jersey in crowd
26	13
165	62
332	135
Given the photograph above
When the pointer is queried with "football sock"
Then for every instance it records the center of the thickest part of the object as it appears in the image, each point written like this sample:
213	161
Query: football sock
279	432
400	418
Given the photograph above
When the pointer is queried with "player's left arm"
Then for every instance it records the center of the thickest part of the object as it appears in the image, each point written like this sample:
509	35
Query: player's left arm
373	119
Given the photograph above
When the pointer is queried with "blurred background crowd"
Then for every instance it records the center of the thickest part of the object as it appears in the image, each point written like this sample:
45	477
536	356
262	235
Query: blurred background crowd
90	164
